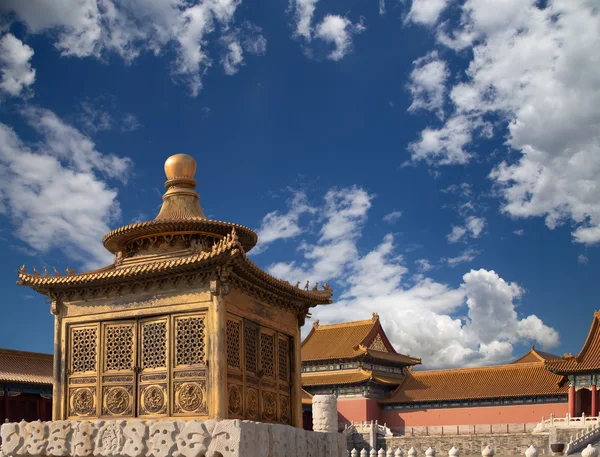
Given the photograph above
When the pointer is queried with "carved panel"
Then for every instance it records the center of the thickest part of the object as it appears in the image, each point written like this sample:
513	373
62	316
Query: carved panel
154	344
268	406
234	343
252	404
267	354
84	349
190	397
235	400
118	347
153	399
190	341
378	344
82	402
284	409
117	401
250	347
82	381
284	356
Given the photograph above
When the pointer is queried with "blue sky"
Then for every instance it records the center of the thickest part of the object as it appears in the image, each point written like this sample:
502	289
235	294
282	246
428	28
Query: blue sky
434	161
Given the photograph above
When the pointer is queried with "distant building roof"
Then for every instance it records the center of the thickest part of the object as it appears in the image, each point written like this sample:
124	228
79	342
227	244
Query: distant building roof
588	358
348	340
523	379
26	367
345	377
536	356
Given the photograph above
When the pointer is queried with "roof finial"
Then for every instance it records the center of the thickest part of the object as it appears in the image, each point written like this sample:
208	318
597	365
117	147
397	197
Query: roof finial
180	201
375	317
533	347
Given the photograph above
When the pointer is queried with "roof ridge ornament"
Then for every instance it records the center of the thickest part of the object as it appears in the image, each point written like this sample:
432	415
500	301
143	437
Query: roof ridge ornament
180	201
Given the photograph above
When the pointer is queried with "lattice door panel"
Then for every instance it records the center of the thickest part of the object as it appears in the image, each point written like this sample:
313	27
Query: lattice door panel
153	367
189	366
235	379
119	357
82	374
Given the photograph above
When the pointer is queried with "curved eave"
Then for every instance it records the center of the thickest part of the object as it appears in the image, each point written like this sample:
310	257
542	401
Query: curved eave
232	251
116	240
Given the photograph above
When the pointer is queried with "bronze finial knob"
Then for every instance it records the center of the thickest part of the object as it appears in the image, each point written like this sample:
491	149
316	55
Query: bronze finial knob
180	166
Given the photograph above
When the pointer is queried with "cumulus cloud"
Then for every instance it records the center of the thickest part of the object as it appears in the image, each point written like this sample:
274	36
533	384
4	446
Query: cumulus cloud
392	217
90	28
15	66
277	226
473	228
474	323
427	84
54	191
426	12
333	29
532	72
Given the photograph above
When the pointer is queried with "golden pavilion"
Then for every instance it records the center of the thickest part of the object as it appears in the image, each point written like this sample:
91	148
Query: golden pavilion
181	325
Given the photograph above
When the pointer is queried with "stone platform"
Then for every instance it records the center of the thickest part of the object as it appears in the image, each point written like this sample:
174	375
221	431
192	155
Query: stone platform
166	438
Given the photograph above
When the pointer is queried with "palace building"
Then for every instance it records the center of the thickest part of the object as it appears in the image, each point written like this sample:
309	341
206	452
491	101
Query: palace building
180	325
356	362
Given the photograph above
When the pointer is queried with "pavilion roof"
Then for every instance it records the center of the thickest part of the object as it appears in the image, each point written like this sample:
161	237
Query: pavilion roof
344	377
535	355
26	367
588	358
512	380
349	340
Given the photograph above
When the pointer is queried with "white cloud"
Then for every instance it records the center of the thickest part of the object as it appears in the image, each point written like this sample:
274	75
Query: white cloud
333	29
101	114
426	12
90	28
466	256
381	7
582	259
276	226
423	265
392	217
519	232
532	71
15	66
456	234
246	38
474	323
473	227
427	84
53	193
233	59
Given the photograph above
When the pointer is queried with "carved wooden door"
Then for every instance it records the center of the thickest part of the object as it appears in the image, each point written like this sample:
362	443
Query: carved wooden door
284	378
188	390
252	383
118	368
268	375
82	371
153	367
235	378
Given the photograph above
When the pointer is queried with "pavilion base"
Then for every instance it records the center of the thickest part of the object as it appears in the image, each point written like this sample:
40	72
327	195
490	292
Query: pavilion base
166	438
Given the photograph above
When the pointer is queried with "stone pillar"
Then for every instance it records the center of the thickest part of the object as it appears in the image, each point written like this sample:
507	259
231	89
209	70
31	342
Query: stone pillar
594	401
324	409
572	401
57	367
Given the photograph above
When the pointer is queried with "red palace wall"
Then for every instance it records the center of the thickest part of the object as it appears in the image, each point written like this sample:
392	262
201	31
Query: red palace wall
506	414
357	409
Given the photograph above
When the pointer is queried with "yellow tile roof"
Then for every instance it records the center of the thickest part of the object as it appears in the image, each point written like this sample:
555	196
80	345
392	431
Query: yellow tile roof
536	356
25	367
349	340
306	398
500	381
588	358
342	377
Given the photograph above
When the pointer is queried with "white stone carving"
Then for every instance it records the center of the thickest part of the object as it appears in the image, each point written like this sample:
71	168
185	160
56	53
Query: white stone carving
453	452
412	452
167	438
430	452
194	438
136	434
531	451
324	409
487	452
589	451
398	453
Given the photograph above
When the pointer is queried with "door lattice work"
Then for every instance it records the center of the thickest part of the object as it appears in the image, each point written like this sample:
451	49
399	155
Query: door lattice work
153	376
234	343
190	341
118	348
251	347
283	353
84	349
154	345
267	354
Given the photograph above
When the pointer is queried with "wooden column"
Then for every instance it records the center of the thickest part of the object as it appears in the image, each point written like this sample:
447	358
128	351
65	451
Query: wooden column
5	405
297	382
572	401
56	385
594	401
217	343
